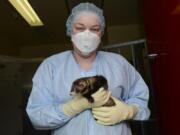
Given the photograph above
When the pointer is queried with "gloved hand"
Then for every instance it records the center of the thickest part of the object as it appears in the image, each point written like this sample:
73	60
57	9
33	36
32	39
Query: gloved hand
79	103
115	114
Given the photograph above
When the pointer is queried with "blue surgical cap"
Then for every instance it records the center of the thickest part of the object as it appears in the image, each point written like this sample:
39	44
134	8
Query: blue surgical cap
84	7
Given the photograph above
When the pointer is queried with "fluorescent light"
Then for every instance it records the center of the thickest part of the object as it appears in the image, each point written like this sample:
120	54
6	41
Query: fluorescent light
27	12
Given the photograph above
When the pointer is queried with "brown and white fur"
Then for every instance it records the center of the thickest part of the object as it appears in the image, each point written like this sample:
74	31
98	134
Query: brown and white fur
86	86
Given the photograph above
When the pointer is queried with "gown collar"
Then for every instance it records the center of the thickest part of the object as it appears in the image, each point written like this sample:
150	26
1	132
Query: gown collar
94	64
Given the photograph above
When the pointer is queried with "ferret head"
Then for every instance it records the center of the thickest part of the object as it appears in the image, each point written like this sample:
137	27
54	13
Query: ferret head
88	85
82	86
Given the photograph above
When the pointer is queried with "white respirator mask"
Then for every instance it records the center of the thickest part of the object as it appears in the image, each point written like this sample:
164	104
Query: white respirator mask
86	41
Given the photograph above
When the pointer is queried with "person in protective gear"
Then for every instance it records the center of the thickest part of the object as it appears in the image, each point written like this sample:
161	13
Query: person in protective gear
50	106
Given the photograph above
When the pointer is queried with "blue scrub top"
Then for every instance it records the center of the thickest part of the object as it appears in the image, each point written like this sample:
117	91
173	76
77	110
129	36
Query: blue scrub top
52	84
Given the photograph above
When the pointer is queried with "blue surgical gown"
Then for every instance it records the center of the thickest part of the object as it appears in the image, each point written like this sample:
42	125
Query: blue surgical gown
51	87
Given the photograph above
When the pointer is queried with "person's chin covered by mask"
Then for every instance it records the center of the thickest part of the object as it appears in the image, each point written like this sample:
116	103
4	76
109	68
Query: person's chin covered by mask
86	34
85	43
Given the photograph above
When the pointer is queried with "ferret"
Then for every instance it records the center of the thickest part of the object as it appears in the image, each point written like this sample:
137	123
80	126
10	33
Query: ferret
86	86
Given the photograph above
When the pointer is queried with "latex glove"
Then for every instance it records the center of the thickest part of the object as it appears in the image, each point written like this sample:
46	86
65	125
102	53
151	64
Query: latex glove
79	103
115	114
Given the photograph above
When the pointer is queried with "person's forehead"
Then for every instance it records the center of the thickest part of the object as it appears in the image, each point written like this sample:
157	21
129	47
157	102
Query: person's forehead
87	19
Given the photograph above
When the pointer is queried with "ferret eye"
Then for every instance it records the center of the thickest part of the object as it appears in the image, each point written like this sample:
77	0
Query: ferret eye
81	86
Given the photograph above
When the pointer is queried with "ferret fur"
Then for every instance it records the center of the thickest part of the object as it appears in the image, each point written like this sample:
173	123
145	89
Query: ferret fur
86	86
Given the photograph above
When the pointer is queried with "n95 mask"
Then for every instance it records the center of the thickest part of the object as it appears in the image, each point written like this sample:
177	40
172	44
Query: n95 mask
86	41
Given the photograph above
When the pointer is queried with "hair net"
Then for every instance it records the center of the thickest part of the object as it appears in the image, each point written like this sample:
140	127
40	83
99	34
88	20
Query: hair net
84	7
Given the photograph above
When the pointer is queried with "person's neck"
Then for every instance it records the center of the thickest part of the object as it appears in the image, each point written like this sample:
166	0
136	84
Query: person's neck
85	62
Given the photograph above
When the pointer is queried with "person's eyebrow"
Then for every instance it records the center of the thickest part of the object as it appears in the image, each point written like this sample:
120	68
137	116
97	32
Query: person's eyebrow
96	25
79	24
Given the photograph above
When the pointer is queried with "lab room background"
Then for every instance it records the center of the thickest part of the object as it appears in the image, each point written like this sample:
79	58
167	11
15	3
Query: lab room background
145	32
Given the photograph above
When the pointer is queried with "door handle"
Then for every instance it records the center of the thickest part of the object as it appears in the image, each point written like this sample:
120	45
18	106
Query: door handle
152	56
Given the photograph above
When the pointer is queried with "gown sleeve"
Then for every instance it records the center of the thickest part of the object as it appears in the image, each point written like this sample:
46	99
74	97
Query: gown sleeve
43	111
138	92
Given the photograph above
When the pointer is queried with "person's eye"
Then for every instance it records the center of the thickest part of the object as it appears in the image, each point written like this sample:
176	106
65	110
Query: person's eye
80	28
95	29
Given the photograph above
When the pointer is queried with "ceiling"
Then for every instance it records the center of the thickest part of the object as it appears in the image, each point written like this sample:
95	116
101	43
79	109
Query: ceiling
54	13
